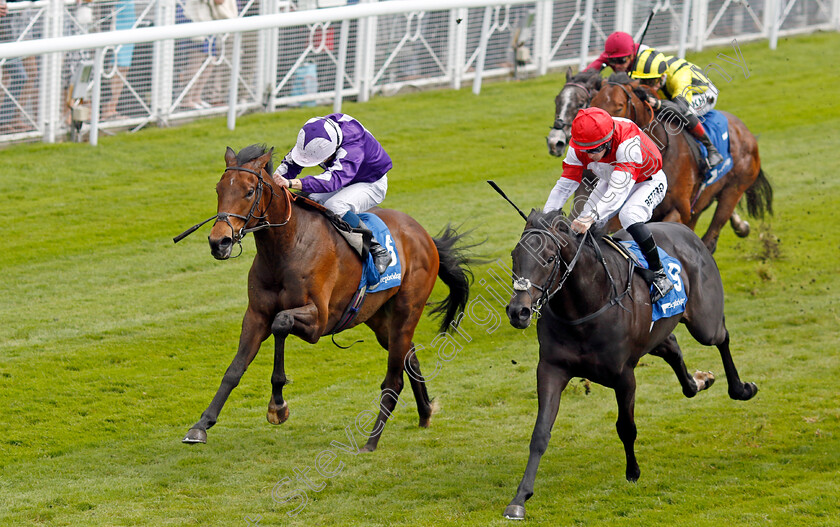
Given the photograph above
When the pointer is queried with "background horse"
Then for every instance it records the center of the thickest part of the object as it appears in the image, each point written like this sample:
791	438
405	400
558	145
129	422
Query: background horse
596	323
303	278
573	96
681	202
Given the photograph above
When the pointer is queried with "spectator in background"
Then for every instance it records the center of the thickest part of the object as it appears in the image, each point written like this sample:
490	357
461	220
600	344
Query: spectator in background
124	18
196	53
13	75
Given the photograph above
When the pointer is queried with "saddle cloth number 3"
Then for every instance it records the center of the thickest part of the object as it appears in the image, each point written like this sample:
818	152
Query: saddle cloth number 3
389	244
674	273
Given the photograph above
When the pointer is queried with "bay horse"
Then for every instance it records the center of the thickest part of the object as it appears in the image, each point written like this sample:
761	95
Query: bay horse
686	197
304	276
595	322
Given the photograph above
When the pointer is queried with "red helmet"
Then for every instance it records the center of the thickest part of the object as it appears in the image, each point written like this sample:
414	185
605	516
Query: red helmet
619	44
592	127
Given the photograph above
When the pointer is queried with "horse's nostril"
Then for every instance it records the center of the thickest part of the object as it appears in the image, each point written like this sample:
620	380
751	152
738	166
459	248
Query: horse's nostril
226	241
524	313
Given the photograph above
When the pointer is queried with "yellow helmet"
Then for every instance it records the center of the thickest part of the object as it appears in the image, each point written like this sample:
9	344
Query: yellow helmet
650	64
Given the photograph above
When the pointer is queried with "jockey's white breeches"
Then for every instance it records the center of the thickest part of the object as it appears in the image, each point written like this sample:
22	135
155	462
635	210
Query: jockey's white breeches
357	197
639	205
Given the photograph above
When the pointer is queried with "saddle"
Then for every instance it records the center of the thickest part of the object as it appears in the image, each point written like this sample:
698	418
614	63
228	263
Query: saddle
646	274
358	239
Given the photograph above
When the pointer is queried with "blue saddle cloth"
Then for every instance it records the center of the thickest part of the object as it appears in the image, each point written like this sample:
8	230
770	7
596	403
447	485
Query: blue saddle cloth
392	277
674	302
717	128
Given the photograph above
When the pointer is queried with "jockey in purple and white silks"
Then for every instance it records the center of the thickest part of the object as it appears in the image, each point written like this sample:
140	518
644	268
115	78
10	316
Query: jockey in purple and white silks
355	176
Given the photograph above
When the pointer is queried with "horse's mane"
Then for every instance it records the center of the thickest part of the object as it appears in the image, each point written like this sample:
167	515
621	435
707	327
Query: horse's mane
562	223
619	77
251	152
585	76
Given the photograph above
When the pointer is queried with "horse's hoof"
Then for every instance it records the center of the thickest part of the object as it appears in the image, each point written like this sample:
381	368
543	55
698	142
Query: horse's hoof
425	423
195	436
367	449
277	414
515	512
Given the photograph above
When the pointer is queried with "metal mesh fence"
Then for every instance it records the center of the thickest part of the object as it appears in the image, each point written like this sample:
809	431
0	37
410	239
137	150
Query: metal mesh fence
50	96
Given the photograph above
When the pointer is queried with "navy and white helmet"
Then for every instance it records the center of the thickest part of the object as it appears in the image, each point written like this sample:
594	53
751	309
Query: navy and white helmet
316	142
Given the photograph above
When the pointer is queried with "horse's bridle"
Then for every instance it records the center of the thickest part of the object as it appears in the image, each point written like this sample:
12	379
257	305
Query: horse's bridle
524	284
560	123
262	223
631	107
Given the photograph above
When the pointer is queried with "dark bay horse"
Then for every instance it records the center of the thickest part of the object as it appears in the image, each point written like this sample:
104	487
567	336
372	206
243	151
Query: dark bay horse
303	278
595	323
684	200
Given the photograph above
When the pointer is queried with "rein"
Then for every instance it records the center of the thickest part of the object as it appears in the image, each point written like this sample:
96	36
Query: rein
523	284
262	223
631	108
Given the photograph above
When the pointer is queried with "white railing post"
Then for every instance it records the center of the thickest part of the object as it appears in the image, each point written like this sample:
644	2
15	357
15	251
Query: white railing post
542	34
684	25
458	45
772	9
50	89
624	16
233	87
96	97
482	50
701	16
163	64
587	28
267	57
835	14
366	54
342	65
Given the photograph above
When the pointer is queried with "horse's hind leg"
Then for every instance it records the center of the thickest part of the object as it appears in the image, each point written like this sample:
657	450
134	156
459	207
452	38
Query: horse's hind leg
717	335
671	352
416	379
741	391
551	381
418	386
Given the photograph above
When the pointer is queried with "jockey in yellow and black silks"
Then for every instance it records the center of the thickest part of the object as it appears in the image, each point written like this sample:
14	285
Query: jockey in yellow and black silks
686	90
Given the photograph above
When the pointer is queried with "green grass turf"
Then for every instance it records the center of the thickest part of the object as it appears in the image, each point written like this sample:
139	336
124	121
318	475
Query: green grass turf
114	339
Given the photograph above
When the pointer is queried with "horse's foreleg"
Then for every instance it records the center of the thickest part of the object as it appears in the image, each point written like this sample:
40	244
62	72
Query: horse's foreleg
304	320
551	381
739	390
671	352
254	331
625	396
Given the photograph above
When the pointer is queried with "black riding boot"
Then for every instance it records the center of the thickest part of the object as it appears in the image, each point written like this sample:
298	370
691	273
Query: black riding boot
381	256
661	283
713	157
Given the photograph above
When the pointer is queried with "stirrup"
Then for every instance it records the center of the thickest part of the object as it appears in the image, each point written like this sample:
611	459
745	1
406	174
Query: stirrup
662	285
381	257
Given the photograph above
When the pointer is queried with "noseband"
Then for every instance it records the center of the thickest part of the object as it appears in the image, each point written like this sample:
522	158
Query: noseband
262	223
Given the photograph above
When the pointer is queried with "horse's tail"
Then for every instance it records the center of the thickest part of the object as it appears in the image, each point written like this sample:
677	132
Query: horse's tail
760	196
455	272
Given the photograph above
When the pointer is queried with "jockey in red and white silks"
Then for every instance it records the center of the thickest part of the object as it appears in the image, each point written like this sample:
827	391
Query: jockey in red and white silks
631	182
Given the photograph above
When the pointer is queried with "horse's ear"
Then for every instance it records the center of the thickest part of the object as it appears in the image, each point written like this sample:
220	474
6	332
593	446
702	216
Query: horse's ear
230	157
264	159
568	73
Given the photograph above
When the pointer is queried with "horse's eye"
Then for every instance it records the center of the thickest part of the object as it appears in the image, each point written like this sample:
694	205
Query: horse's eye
250	193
